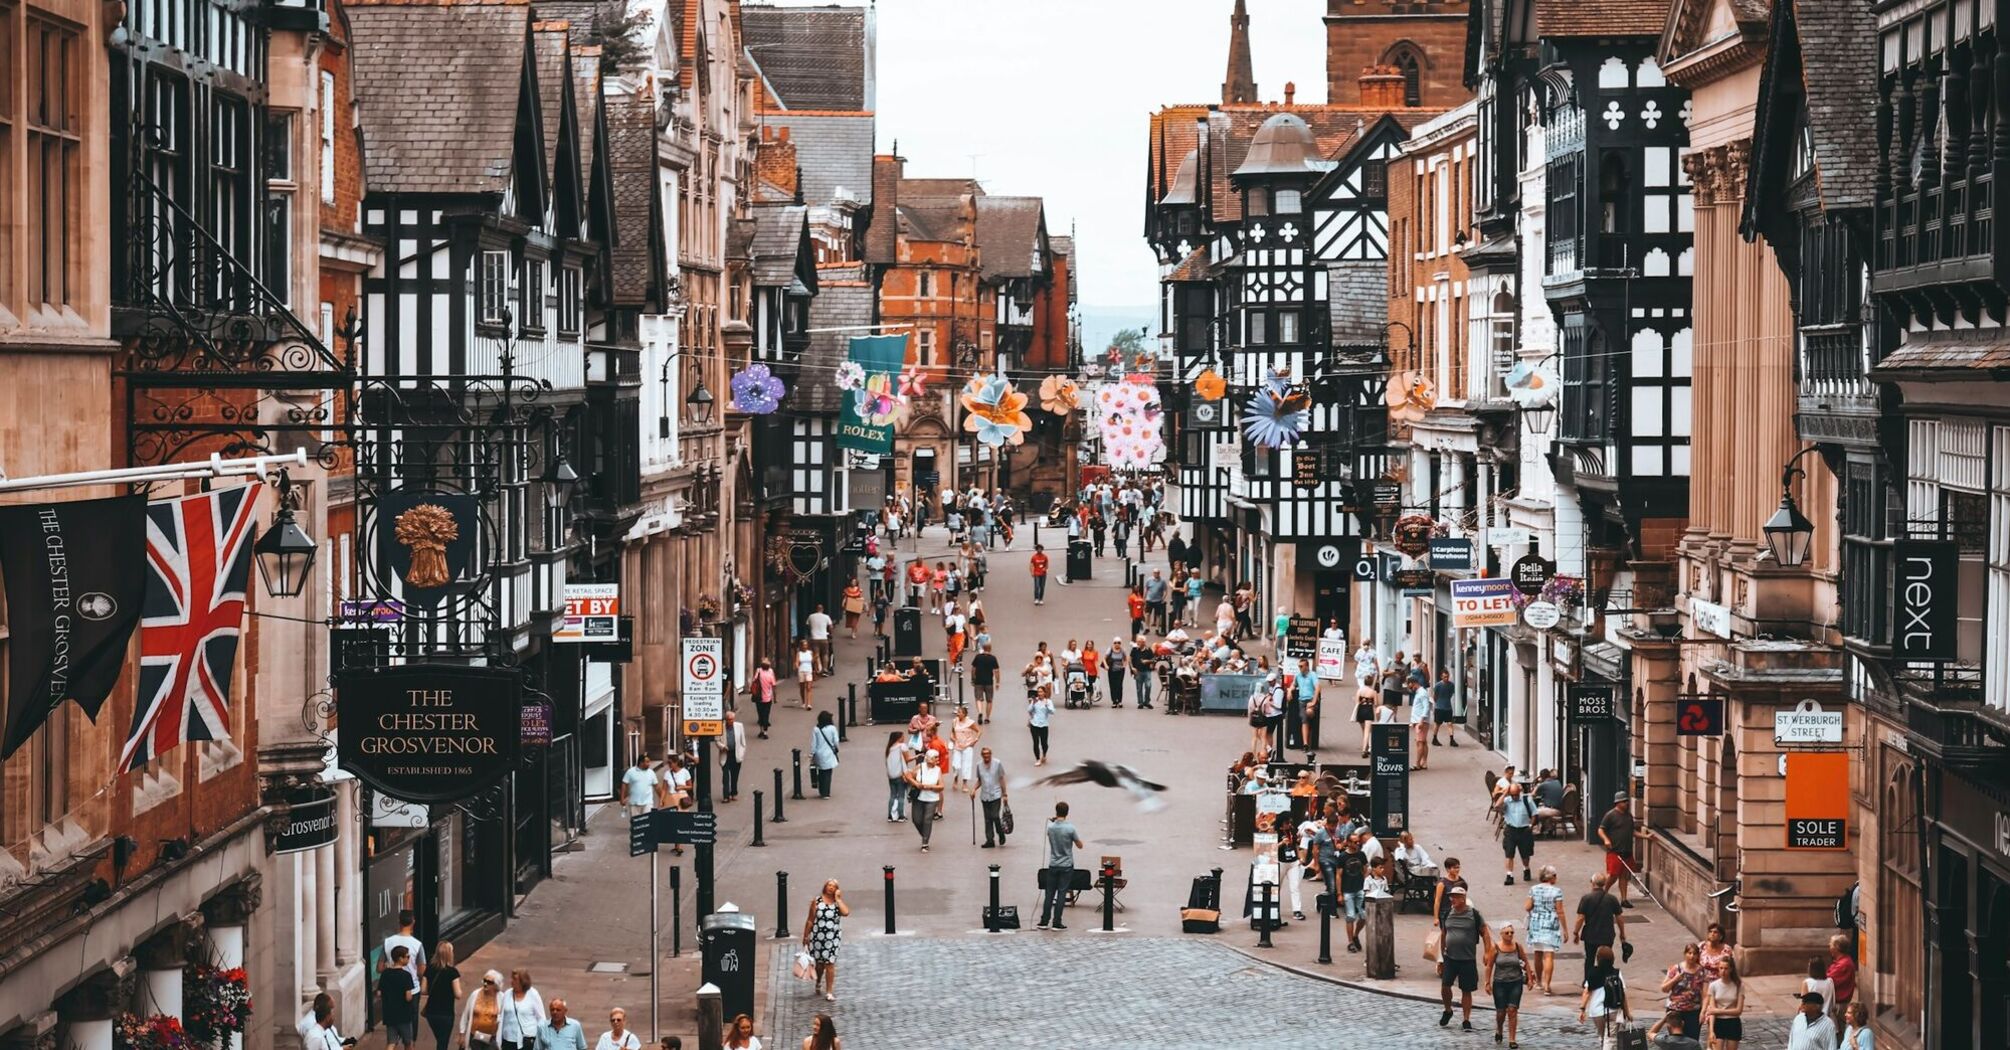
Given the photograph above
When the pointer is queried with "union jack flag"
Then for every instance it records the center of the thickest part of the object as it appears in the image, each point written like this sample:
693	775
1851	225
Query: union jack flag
198	560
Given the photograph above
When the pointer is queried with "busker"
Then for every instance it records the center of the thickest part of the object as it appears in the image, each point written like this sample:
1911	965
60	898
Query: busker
1062	842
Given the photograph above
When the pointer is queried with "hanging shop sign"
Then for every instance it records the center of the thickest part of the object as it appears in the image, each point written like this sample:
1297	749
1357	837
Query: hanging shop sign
592	613
1328	556
535	723
1301	637
1807	723
1308	466
1389	780
429	732
1699	716
1507	536
1923	600
867	415
1206	414
1416	583
704	686
308	823
1483	603
1451	554
619	649
1541	615
1531	573
1818	801
426	540
1366	567
1593	704
1412	534
1710	618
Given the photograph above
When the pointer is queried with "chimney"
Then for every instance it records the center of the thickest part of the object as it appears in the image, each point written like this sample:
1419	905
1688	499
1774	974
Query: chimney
1290	91
881	235
1382	88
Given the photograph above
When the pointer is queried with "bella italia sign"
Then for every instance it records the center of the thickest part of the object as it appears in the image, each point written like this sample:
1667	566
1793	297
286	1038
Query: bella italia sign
428	732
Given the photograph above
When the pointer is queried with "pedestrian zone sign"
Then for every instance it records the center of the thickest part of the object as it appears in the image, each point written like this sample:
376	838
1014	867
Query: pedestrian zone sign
704	686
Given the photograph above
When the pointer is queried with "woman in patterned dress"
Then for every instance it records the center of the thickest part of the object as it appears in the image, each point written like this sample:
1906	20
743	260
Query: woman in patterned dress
822	932
1545	927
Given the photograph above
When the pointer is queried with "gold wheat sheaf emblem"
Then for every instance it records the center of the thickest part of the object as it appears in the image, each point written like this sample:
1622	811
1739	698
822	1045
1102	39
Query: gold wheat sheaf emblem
427	529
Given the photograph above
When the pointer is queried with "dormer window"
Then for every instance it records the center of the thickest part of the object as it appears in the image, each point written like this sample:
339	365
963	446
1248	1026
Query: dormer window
1289	202
1804	153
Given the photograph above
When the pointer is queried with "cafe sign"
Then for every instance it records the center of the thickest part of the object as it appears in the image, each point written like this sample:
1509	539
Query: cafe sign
429	732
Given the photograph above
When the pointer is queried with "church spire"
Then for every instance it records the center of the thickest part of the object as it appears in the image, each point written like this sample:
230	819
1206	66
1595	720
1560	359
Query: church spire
1241	83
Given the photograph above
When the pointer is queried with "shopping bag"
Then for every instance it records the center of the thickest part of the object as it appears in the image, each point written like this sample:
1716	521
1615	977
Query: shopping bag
1632	1037
1005	817
806	967
1432	942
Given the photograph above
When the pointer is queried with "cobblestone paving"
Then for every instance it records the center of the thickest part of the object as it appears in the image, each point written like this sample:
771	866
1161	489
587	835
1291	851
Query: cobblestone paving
1086	991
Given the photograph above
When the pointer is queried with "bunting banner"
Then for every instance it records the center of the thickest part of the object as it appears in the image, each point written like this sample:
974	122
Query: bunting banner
75	582
867	421
198	554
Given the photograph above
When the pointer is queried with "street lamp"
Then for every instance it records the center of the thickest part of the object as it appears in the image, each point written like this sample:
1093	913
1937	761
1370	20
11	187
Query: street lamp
285	551
1788	532
559	479
697	403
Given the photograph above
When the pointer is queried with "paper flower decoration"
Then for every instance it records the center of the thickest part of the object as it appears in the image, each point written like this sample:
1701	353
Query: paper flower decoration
850	375
1060	395
875	402
1210	386
1129	419
1276	414
913	381
1531	386
996	411
757	391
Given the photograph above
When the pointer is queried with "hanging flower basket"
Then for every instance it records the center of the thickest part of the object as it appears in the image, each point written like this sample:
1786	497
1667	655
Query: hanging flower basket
216	1002
158	1032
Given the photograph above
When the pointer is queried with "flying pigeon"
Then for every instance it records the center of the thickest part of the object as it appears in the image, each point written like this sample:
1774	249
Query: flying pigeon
1109	774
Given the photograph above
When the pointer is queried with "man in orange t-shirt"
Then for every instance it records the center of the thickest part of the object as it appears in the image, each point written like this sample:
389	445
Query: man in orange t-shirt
918	578
1038	564
1136	602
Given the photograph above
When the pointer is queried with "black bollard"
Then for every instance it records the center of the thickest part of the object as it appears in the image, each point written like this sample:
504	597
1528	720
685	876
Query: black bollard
991	915
888	869
1325	928
781	905
842	735
1263	923
1109	899
757	818
676	910
1311	731
797	794
778	818
851	704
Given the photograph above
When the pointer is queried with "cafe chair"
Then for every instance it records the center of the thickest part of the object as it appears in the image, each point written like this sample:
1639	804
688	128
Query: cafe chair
1570	820
1417	889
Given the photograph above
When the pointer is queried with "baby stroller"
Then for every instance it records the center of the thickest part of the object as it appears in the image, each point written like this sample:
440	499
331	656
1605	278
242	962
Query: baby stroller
1078	689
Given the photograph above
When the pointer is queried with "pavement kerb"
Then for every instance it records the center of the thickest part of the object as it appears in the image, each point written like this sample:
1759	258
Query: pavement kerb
1360	986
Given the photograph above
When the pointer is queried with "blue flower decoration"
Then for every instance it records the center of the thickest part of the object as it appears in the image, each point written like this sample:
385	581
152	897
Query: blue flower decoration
756	391
1276	415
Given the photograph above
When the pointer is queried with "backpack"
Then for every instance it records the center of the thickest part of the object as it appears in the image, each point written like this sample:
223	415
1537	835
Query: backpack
1615	992
1845	917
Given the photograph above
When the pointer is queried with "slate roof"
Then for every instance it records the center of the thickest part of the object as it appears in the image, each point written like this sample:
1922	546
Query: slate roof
1008	234
740	239
1563	18
1336	130
937	209
585	95
834	152
778	239
1839	72
586	16
844	299
551	41
631	161
812	57
1919	356
450	131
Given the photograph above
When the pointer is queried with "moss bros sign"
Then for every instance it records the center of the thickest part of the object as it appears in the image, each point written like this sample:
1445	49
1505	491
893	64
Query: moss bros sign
429	733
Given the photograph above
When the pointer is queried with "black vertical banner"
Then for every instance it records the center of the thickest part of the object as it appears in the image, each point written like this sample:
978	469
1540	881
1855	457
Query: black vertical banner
76	575
1389	778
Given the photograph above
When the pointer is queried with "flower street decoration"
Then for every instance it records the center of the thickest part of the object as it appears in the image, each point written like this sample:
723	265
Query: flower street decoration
850	375
1531	385
875	401
158	1032
1059	395
757	391
996	411
1566	591
1210	385
427	529
1128	417
1276	414
913	382
1410	396
216	1002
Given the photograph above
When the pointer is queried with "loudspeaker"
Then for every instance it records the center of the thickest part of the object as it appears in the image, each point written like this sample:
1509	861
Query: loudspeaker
1008	917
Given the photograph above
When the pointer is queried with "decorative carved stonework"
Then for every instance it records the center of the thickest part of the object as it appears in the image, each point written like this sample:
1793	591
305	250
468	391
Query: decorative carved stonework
36	1032
233	907
1702	184
168	948
102	995
1737	166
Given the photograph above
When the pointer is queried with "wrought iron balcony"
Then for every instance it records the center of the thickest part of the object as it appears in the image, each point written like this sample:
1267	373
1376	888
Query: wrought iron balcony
1955	726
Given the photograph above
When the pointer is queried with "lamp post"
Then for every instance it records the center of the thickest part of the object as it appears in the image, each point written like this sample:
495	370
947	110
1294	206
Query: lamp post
697	404
1789	532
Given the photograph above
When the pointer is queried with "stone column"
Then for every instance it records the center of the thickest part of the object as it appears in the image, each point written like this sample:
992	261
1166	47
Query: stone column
162	959
348	884
227	914
325	906
307	904
84	1013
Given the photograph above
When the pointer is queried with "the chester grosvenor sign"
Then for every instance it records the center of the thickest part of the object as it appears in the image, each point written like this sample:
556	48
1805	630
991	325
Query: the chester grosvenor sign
429	733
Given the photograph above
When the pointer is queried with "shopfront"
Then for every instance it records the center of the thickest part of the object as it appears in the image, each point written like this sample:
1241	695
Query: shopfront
1968	909
442	863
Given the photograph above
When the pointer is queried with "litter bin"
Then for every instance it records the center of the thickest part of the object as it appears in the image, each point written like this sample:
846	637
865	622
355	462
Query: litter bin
1080	560
726	940
907	631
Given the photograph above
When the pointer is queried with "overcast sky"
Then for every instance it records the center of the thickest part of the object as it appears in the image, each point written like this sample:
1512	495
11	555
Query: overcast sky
1052	97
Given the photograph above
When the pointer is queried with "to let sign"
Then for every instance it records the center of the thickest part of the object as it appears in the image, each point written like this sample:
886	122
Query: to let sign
1923	602
1817	800
1483	603
592	613
704	686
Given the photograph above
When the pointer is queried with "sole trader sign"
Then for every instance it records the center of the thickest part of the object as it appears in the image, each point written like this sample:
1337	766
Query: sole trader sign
427	732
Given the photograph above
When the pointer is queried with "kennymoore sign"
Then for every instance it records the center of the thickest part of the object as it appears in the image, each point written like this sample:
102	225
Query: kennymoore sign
429	732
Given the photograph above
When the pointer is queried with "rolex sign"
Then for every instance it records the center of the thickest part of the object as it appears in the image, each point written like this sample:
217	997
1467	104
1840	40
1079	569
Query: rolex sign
429	732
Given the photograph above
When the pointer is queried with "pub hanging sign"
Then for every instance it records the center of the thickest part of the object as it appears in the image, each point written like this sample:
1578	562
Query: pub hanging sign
429	732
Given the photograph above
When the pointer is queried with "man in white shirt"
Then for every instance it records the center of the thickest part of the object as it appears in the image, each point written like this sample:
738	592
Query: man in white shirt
819	625
415	961
640	783
1812	1028
1413	856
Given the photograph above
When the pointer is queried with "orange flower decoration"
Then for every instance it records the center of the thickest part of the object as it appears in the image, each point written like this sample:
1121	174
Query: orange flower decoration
1059	395
996	411
1209	386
